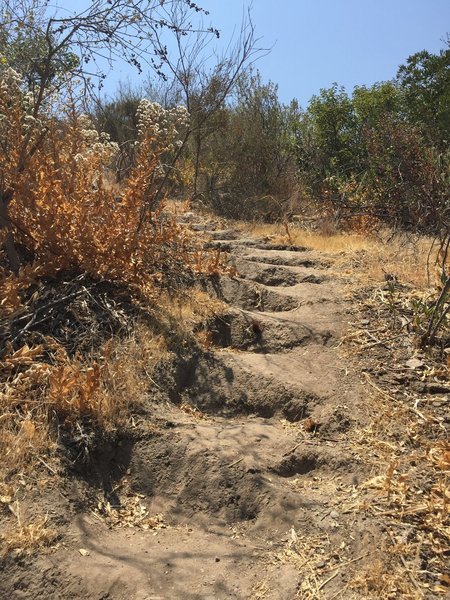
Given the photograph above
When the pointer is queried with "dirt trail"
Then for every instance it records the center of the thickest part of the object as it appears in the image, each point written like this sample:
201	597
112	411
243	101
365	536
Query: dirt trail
253	475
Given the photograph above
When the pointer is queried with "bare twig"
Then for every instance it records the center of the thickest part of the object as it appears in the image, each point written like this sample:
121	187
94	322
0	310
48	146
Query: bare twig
235	462
47	465
324	583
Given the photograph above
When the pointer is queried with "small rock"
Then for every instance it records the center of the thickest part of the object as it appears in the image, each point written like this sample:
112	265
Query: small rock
334	514
414	363
217	559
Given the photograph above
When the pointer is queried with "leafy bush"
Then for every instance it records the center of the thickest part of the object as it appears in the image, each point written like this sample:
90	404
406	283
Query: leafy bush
246	164
369	154
425	81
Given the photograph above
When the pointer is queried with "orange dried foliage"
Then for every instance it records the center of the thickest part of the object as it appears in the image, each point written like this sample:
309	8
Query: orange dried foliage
68	217
72	220
12	285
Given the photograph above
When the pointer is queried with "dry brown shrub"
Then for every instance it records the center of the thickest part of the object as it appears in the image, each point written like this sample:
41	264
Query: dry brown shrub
63	212
69	219
73	228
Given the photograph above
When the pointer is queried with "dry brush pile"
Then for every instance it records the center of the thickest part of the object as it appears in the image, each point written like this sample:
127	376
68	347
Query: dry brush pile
86	277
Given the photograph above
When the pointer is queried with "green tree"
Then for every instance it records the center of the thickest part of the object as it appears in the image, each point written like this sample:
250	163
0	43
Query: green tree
328	144
24	46
372	104
247	165
333	122
425	80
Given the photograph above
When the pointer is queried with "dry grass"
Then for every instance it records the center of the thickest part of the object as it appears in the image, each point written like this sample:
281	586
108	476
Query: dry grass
38	395
410	495
384	579
406	443
326	571
127	367
193	307
131	513
25	538
333	244
41	382
177	207
369	258
44	391
410	260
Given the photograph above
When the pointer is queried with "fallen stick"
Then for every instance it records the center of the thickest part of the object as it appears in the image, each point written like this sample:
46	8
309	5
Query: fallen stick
313	442
324	583
348	562
235	462
294	448
48	466
380	342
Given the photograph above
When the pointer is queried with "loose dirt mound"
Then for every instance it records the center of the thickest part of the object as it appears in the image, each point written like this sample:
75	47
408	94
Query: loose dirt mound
239	461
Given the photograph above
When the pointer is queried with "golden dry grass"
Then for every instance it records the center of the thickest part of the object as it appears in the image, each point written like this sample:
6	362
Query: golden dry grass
370	258
410	260
384	579
406	447
25	538
406	444
38	397
333	244
192	307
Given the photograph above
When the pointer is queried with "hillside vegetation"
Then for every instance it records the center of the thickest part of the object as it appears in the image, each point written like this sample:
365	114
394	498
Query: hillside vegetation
117	220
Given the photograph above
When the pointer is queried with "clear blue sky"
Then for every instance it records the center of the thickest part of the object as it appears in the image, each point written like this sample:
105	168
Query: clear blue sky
318	42
352	42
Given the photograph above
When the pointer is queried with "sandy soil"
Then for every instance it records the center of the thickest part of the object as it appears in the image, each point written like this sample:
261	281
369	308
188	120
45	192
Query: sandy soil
242	465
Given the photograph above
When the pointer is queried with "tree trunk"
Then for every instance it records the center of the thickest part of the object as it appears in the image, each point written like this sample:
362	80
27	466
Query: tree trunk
198	143
10	247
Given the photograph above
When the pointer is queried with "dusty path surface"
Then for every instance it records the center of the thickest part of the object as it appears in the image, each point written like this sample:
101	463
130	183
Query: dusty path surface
247	472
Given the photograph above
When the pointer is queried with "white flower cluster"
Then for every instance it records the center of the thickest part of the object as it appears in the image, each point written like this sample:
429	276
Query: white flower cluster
163	124
12	95
9	80
96	144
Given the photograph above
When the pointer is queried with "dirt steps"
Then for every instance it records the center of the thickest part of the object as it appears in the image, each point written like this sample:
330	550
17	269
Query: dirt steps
250	296
249	444
279	275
